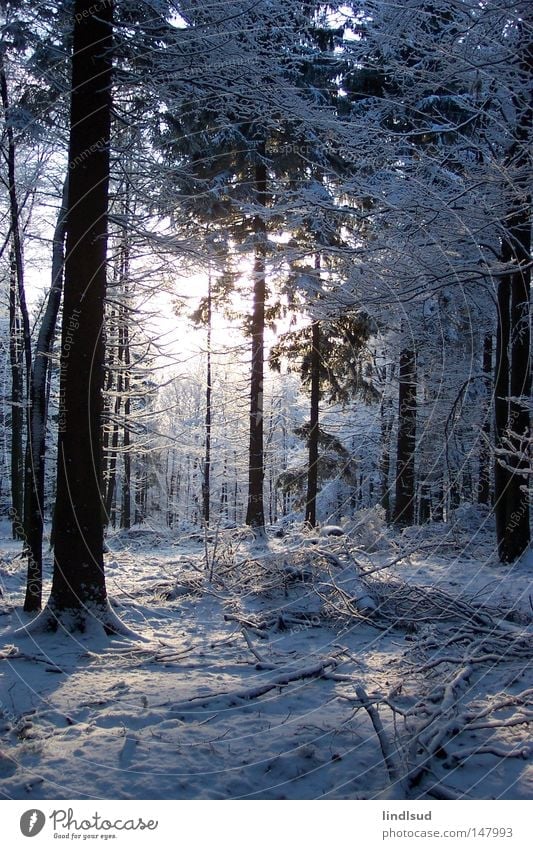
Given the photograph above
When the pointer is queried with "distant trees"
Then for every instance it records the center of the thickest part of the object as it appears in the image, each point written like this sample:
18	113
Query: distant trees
451	210
31	84
359	171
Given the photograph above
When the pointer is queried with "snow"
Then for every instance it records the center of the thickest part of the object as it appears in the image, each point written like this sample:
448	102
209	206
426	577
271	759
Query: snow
249	685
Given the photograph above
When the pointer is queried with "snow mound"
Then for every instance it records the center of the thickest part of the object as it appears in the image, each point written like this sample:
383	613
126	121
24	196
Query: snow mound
332	531
369	530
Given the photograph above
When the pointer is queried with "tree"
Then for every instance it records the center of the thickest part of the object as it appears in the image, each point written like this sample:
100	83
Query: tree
78	593
314	424
255	514
19	322
244	153
513	347
404	505
36	448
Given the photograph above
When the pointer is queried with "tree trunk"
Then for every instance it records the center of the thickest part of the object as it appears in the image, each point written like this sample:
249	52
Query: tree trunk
501	405
36	449
110	498
513	377
109	381
483	492
17	304
125	520
513	382
454	491
404	508
437	502
17	415
206	483
78	586
386	428
141	490
312	472
424	510
112	464
255	516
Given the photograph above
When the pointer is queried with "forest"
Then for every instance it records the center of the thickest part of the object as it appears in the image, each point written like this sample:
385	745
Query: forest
265	446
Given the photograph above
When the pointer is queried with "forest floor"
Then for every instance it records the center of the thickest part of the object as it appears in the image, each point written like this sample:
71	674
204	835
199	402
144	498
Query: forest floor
369	665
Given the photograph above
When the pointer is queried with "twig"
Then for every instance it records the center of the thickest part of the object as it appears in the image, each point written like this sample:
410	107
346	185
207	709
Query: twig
260	632
263	664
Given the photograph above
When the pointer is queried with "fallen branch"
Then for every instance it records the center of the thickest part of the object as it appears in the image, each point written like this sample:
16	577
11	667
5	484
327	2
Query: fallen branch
443	722
13	653
393	768
483	658
524	752
261	662
280	680
247	623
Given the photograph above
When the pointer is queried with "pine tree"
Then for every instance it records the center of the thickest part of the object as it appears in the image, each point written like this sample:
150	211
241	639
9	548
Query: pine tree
78	593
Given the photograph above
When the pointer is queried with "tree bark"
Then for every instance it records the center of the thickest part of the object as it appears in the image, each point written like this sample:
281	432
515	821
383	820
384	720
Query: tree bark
513	383
206	483
36	450
404	508
312	472
513	375
78	586
125	519
386	428
17	305
483	492
255	515
17	414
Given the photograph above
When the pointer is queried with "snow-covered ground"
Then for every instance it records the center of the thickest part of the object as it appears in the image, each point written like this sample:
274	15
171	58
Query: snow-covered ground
372	664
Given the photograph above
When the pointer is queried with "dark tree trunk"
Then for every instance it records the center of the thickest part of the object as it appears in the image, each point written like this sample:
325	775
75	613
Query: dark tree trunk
424	510
519	416
112	463
206	483
17	415
501	406
483	493
141	490
454	492
404	508
386	428
112	446
513	377
512	382
312	472
171	479
78	586
255	515
125	519
236	500
125	357
437	502
36	449
20	339
109	380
